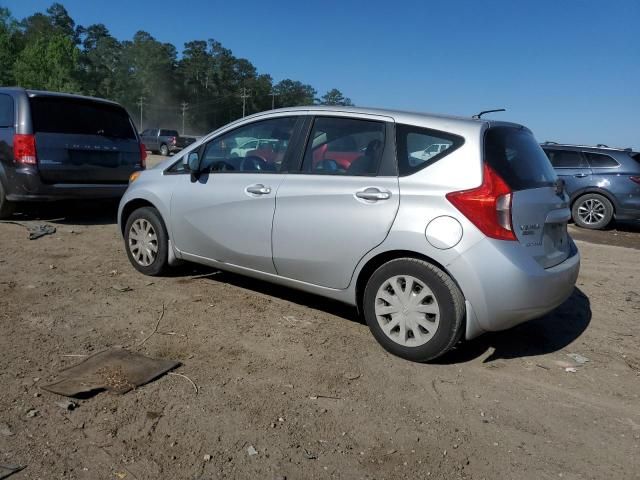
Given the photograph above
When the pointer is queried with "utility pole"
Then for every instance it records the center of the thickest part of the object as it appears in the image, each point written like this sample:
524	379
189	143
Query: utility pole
184	110
140	104
273	99
244	95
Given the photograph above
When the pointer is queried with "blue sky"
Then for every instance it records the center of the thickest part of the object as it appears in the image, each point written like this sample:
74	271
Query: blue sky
568	69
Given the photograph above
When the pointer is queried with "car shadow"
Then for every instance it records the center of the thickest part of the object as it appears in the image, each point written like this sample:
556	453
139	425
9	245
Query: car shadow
541	336
68	212
629	226
547	334
190	272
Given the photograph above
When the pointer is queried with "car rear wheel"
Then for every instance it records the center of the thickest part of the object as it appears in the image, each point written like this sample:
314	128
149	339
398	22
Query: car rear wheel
413	309
6	207
164	150
592	211
146	241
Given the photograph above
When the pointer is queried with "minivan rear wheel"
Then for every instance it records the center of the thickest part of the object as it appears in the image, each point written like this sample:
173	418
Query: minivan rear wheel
146	241
414	309
592	211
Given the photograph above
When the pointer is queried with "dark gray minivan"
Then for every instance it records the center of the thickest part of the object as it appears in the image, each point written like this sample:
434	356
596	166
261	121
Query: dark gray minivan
58	146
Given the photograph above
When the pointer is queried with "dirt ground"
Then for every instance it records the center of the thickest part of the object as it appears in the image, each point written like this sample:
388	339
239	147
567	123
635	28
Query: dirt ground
292	385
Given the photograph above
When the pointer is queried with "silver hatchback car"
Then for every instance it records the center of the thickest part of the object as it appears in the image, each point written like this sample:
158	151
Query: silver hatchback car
359	206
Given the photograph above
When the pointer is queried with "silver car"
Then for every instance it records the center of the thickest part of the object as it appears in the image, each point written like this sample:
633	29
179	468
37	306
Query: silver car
429	248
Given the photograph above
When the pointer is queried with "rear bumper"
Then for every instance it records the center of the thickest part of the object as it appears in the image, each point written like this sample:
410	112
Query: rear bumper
24	185
505	286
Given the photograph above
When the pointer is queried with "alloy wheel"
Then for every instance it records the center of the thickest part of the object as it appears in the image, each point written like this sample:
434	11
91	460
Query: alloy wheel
591	211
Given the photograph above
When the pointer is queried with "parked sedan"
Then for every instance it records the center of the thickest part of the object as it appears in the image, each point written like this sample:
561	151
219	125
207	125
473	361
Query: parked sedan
470	240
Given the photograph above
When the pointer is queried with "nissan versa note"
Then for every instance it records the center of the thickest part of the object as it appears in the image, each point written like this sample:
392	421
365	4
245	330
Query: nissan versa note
352	205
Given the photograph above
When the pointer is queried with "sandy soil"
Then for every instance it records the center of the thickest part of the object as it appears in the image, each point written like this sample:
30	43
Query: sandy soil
299	379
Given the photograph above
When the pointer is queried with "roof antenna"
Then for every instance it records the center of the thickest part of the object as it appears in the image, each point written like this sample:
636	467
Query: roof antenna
478	116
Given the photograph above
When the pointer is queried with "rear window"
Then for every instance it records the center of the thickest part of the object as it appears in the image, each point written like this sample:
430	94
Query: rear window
81	117
566	159
6	111
598	160
420	147
516	156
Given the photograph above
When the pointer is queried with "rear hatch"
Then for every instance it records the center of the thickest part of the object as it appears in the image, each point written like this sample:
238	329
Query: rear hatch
539	204
83	141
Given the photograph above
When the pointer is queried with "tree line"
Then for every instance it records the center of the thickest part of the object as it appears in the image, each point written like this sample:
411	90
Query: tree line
206	86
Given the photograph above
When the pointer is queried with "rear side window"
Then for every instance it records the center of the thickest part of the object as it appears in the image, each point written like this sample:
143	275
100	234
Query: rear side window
344	146
6	111
419	147
598	160
515	155
81	117
566	159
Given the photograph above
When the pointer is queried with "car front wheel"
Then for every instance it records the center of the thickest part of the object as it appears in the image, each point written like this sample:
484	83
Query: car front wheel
413	309
146	241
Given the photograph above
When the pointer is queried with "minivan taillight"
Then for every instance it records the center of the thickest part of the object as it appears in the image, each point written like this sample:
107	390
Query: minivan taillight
24	148
143	155
488	206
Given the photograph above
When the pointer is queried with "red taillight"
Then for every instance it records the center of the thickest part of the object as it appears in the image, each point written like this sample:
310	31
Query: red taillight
488	206
24	148
143	155
173	140
635	179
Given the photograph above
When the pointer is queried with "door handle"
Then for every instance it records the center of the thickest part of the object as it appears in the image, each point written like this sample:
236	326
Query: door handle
373	194
258	189
580	175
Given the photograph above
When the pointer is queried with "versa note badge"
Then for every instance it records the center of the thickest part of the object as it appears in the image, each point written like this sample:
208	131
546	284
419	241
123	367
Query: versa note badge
529	229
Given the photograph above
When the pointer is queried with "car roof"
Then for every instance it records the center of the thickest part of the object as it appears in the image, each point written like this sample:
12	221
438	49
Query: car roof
399	116
44	93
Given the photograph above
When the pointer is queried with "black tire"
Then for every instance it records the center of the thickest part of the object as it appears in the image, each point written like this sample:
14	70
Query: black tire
164	150
596	204
160	263
446	293
6	207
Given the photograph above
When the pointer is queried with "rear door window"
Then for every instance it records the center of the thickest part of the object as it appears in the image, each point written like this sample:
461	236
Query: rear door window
516	156
344	146
566	159
419	147
81	117
6	111
598	160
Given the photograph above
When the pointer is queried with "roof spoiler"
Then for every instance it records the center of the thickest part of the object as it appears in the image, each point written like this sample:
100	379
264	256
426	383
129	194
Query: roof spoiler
479	115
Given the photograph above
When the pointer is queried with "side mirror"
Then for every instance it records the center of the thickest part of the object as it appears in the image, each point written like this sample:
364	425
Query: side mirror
193	162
